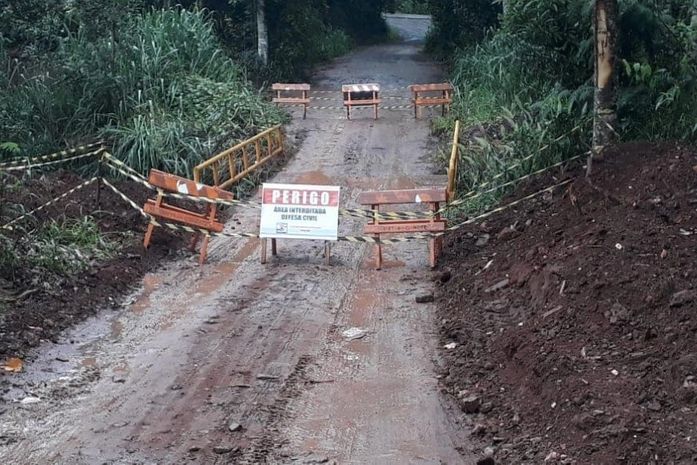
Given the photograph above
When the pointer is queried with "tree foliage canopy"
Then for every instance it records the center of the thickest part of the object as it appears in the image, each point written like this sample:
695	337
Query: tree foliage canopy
167	82
549	45
527	76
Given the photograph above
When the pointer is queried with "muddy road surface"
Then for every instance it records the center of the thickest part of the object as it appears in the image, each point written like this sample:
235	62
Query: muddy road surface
238	362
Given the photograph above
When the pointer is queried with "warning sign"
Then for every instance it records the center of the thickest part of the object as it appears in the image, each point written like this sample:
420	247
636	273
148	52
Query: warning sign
295	211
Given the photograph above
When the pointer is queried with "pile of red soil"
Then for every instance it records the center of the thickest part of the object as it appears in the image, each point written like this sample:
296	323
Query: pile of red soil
44	309
574	317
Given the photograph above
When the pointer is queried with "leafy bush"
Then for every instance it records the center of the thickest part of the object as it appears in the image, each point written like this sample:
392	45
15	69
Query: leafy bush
301	36
459	23
529	81
302	33
31	23
68	246
417	7
361	19
165	94
513	110
9	258
59	248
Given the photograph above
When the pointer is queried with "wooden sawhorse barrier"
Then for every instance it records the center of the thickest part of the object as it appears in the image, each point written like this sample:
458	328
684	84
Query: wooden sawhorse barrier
434	224
207	220
445	99
294	99
356	95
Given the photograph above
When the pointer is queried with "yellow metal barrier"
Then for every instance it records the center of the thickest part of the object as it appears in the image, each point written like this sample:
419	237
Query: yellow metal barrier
452	168
230	166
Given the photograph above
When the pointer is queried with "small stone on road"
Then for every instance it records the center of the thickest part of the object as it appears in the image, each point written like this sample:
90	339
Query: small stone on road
234	426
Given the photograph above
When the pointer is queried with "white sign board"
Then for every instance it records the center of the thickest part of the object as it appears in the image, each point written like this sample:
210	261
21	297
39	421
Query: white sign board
295	211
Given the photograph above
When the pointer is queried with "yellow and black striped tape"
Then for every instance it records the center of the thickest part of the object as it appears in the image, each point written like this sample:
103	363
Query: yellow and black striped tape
123	169
120	167
476	194
507	206
8	226
31	166
338	91
34	161
367	107
355	239
520	162
339	98
351	212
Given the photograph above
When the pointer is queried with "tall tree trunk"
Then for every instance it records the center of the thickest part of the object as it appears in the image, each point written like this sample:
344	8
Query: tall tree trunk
605	111
262	33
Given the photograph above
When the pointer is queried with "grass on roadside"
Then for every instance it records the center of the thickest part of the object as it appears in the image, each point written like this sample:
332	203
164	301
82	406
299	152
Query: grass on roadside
511	118
55	249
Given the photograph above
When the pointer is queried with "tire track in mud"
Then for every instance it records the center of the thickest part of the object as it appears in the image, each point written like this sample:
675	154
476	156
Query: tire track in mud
387	371
277	413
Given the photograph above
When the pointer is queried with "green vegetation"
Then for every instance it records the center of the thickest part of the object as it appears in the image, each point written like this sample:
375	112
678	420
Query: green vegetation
415	7
56	248
525	78
302	33
166	84
68	246
165	95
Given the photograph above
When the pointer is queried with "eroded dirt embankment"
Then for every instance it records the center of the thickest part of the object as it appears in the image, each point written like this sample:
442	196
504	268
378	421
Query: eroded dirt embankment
574	317
36	302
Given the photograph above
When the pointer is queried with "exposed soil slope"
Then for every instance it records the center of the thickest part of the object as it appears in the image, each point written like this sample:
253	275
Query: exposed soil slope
45	304
575	322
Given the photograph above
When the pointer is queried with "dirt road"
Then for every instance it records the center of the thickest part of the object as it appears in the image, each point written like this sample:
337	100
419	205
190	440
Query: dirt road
237	362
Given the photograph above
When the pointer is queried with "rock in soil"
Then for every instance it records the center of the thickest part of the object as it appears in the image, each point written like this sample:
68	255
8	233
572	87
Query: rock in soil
424	298
470	404
683	297
234	426
444	277
354	333
220	450
482	240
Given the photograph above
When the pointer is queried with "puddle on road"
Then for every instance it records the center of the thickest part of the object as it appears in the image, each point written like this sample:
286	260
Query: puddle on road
246	250
369	263
362	307
313	177
62	361
216	278
402	182
150	284
116	329
212	281
88	362
76	349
